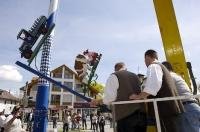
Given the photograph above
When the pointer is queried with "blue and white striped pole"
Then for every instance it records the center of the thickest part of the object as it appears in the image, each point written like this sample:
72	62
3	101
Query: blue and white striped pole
42	99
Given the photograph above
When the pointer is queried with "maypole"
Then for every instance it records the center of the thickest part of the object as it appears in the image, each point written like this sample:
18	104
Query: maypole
41	111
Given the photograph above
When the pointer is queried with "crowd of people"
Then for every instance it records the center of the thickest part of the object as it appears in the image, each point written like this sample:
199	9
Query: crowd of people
79	121
71	121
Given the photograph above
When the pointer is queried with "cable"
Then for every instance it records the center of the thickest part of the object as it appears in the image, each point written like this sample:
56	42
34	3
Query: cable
36	61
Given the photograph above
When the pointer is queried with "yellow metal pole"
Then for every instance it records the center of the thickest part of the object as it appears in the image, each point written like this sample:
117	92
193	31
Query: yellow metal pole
171	37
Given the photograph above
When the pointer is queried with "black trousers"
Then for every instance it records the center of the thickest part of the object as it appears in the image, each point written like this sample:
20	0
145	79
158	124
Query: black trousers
65	127
136	122
101	127
84	124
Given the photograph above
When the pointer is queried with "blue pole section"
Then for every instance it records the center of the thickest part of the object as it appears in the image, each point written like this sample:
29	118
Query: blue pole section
42	99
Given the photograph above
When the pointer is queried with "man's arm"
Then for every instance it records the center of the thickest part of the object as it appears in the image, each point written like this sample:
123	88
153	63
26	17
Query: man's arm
110	92
153	82
142	95
9	123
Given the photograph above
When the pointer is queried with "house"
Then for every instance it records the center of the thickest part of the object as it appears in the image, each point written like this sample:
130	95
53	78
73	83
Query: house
60	98
7	101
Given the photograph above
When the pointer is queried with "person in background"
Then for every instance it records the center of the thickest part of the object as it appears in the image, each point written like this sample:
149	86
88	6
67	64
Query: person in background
159	84
84	118
110	119
66	121
73	119
192	109
101	122
91	115
119	86
2	119
94	122
55	119
13	122
141	77
78	119
30	121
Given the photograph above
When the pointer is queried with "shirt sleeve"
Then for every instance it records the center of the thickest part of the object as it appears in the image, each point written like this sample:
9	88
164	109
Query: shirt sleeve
154	79
8	118
110	91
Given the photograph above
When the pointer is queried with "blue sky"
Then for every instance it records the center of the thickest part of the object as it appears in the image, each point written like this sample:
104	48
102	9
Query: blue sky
122	30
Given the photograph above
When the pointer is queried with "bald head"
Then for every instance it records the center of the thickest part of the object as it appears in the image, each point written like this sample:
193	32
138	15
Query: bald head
119	66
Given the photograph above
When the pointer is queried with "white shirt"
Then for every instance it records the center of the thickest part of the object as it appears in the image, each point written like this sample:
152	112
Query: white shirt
110	91
94	119
181	85
154	79
16	126
2	119
67	119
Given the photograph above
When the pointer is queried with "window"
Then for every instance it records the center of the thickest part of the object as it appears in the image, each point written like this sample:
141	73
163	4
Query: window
57	73
68	75
55	99
56	88
67	99
78	99
69	85
79	88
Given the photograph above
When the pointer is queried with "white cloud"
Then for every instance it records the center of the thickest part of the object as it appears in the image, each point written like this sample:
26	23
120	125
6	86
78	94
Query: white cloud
11	73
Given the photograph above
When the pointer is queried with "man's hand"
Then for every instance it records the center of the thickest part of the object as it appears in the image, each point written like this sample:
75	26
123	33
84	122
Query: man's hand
142	95
134	97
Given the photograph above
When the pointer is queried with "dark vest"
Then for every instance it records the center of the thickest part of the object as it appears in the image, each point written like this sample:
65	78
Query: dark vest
129	83
168	89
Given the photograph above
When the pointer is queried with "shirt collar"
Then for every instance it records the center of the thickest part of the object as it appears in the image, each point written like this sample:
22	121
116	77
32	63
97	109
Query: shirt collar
155	61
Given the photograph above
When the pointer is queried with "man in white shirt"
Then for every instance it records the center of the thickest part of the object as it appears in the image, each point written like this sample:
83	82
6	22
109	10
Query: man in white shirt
13	122
160	84
181	85
119	86
192	109
154	77
66	121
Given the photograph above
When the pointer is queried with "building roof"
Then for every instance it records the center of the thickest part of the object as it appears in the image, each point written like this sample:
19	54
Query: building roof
34	80
67	68
7	95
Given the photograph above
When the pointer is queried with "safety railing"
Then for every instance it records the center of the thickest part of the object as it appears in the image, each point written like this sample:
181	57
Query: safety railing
155	100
